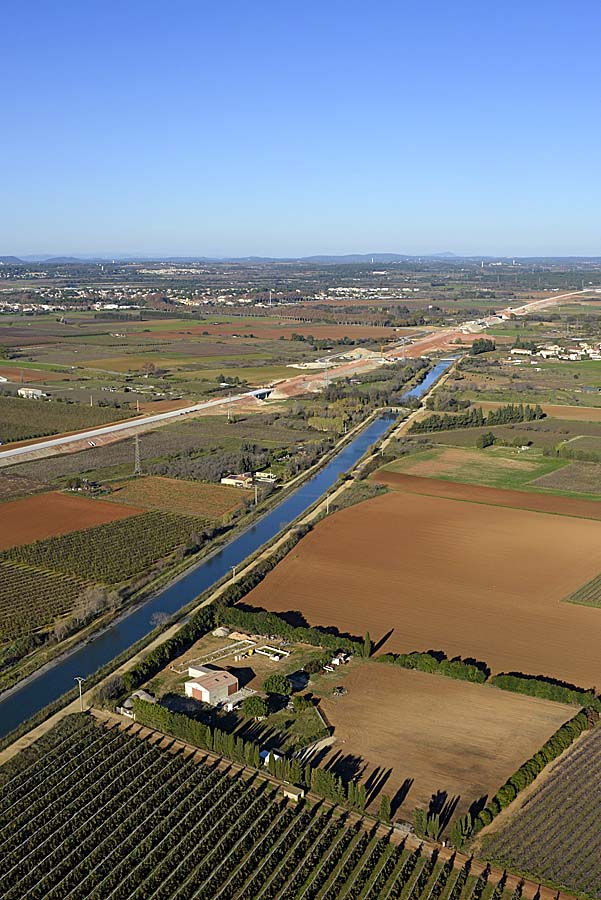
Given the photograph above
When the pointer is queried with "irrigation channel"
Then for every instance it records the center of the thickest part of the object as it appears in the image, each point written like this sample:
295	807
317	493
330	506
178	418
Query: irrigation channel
22	702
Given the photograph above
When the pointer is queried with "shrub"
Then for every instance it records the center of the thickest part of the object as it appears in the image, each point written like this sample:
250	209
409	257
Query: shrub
254	707
278	684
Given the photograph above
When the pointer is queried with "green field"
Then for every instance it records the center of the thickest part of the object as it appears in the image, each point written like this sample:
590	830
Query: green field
501	467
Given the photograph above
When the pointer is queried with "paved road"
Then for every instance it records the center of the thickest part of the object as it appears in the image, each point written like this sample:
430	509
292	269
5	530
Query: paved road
122	426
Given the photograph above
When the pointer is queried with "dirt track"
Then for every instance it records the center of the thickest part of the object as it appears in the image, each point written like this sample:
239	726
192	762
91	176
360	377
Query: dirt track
465	578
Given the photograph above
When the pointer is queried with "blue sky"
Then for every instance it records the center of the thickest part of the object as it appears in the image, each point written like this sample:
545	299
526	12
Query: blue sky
291	128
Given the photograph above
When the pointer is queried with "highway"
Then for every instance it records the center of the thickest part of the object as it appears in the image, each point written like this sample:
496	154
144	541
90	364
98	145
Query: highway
123	426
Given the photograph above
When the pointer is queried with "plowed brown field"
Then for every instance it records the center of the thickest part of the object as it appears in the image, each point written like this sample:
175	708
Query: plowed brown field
466	578
474	493
44	515
441	734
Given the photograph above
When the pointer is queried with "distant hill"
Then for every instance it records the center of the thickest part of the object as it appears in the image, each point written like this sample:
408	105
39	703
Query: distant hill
11	261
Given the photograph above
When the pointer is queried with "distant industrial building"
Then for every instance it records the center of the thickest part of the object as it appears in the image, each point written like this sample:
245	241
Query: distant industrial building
31	393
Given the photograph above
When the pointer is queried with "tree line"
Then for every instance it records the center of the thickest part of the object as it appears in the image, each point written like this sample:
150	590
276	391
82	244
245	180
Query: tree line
260	622
475	418
247	752
527	772
438	663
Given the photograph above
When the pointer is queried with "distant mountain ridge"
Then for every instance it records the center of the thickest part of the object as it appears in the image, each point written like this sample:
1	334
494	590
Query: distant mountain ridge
317	259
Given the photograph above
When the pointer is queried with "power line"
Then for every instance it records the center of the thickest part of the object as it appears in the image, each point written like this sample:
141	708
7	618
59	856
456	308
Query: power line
137	463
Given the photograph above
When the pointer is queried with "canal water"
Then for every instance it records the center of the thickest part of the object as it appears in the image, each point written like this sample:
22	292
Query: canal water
25	701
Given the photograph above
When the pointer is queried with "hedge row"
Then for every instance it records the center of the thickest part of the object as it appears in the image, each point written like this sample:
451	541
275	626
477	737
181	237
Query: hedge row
247	752
428	662
474	418
548	690
197	733
198	625
260	622
533	685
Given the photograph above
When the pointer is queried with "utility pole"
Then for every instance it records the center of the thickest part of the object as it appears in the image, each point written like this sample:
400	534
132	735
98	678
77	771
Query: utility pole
328	505
234	573
256	495
80	681
91	401
137	463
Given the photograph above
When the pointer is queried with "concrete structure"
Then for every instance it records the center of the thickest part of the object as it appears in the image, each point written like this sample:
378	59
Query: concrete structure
291	792
266	477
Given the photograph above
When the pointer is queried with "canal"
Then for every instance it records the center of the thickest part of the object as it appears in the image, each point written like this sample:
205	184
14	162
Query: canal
23	702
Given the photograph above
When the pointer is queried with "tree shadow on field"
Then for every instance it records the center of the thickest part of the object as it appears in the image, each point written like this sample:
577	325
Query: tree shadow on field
478	805
347	765
376	782
401	795
442	806
379	644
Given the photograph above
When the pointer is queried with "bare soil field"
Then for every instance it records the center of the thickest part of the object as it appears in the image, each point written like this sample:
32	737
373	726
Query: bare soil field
191	498
422	572
413	734
30	376
474	493
45	515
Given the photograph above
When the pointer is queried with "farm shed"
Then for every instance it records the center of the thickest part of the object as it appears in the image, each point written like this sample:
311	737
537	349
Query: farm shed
212	686
243	480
